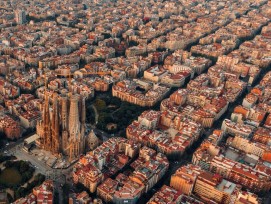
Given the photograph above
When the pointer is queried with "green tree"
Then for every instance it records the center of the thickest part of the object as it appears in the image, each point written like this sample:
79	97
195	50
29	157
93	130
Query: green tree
104	117
20	192
24	167
100	104
27	175
40	178
8	164
115	101
105	98
10	198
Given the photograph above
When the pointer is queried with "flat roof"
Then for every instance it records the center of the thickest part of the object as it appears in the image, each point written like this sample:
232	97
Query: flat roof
32	138
226	186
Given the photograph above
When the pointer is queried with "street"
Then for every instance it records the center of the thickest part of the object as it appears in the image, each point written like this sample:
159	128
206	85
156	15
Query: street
10	145
40	166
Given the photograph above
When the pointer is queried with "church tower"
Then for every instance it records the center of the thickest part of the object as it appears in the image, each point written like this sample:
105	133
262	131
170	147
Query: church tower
64	125
64	113
83	114
55	126
47	136
74	123
75	132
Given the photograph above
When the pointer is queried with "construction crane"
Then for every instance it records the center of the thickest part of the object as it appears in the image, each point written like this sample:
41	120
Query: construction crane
69	75
102	73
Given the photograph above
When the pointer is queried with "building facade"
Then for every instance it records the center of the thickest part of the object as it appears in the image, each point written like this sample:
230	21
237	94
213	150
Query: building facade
62	128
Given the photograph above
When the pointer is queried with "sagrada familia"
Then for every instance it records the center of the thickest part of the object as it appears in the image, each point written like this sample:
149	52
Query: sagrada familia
62	128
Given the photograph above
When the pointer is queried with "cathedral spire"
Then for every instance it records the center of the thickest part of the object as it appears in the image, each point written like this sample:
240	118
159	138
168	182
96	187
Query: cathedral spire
55	125
83	115
47	140
74	123
64	113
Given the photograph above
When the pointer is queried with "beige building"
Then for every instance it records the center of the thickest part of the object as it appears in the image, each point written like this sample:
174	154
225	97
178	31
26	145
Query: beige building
184	178
247	146
211	187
